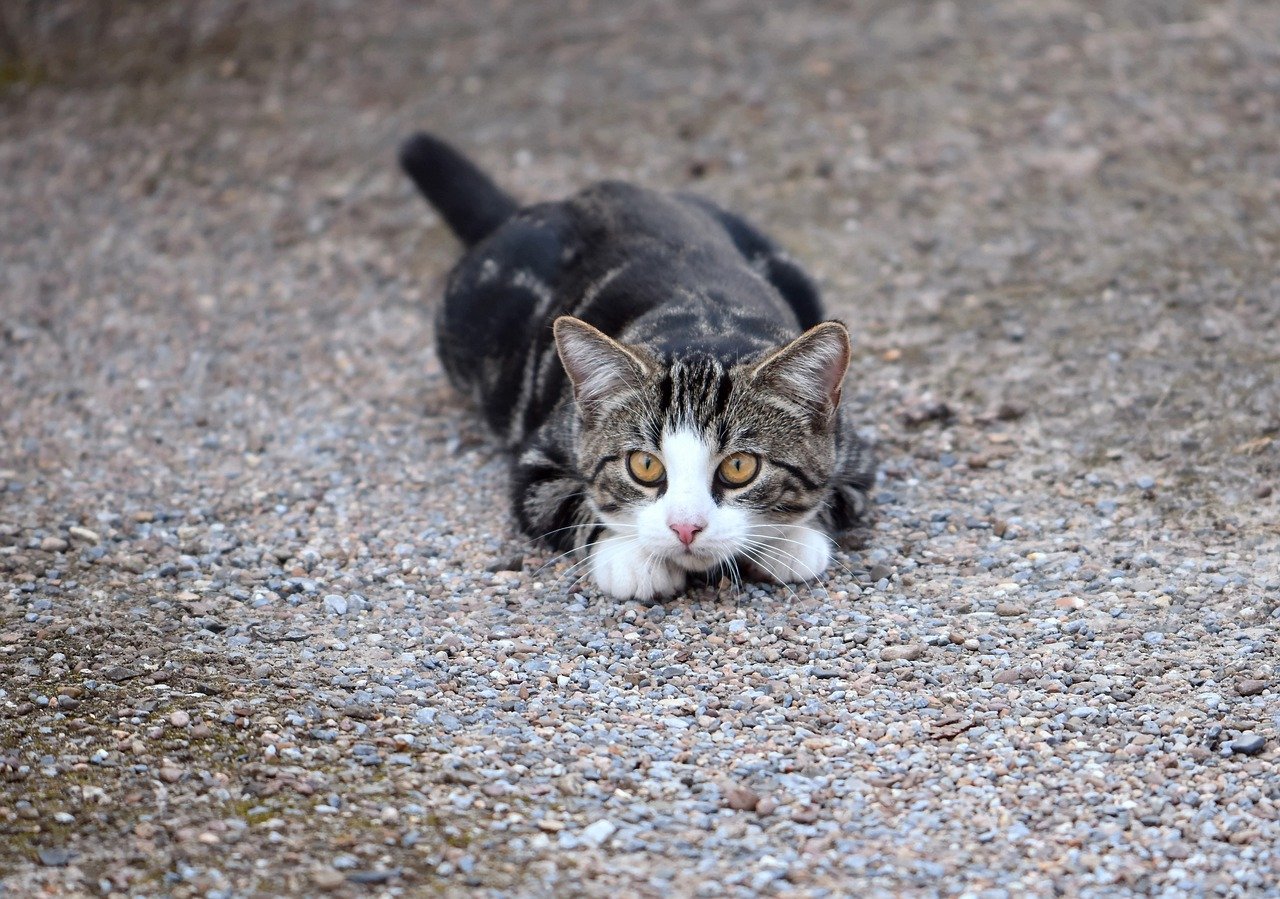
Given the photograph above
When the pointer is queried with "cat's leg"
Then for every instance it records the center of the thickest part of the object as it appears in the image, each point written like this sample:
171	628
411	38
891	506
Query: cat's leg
623	572
548	493
792	553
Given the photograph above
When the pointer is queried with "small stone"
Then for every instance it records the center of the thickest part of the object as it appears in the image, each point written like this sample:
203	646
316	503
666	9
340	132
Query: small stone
766	806
357	603
170	774
1010	676
510	563
806	815
1247	744
1010	609
54	858
335	603
551	825
911	652
880	572
180	719
85	534
373	878
597	833
741	799
1145	482
327	879
53	545
360	711
1250	687
1068	602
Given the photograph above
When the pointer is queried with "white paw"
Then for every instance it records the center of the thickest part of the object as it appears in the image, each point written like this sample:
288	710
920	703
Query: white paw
793	554
625	573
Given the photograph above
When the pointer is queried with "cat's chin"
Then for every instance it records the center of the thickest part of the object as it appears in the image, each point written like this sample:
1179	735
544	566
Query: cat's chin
693	562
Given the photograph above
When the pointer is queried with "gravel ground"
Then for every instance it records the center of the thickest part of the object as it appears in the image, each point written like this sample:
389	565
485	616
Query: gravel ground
265	626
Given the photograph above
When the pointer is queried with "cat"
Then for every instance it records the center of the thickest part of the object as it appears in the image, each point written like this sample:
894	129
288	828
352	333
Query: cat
661	373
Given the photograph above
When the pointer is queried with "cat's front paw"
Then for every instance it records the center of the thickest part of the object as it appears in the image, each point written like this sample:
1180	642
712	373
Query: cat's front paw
625	573
792	554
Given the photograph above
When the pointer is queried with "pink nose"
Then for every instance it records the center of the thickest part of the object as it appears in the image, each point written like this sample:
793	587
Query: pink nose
686	532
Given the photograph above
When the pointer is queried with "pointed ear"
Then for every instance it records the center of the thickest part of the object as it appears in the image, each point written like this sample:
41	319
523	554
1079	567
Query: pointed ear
810	369
597	365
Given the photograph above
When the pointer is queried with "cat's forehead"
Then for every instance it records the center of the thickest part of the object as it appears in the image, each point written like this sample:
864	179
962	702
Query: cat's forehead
694	392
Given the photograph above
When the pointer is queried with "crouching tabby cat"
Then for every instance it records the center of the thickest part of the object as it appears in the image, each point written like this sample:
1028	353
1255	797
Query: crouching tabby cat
642	357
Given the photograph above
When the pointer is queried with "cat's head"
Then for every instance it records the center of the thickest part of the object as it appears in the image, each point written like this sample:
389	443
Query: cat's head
697	459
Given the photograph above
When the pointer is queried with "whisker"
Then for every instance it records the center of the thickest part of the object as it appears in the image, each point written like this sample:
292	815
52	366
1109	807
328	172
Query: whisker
834	545
554	559
631	539
737	579
779	554
574	527
763	563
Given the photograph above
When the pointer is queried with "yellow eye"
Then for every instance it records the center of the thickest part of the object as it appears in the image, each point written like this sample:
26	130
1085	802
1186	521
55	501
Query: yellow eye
739	469
645	467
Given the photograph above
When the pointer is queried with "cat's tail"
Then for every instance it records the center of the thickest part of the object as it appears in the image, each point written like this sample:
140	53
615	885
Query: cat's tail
471	204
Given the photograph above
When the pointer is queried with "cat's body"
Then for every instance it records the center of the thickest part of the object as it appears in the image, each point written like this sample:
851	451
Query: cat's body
630	348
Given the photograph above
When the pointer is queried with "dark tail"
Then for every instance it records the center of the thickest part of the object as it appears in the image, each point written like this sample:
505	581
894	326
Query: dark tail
471	204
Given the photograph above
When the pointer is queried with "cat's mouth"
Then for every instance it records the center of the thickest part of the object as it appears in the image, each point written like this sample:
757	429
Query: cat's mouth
691	559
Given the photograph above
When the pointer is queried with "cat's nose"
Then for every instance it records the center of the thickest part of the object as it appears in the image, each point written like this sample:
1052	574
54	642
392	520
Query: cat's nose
686	532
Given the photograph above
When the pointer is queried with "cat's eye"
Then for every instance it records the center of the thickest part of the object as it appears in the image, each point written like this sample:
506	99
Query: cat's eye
645	467
739	469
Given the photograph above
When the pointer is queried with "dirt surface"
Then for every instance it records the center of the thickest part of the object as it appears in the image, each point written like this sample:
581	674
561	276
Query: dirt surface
265	626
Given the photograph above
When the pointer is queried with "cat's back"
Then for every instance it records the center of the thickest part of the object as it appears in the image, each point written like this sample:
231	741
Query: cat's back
620	213
642	266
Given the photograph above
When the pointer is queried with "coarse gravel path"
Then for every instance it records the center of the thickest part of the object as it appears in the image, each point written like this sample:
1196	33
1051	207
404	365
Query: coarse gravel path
265	625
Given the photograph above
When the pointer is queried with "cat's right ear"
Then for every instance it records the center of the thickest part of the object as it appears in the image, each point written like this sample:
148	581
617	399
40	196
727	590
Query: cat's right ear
597	365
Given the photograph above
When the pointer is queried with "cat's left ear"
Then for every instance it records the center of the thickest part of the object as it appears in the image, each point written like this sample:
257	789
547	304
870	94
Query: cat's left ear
597	365
810	368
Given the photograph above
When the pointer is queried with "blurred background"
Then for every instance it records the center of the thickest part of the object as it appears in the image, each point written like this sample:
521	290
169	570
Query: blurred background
1087	191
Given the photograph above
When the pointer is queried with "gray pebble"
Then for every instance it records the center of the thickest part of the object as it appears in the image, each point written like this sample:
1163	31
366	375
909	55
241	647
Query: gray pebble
335	603
1248	744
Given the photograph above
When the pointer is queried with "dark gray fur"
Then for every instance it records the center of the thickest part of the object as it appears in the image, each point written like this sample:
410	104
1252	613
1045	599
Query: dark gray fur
694	290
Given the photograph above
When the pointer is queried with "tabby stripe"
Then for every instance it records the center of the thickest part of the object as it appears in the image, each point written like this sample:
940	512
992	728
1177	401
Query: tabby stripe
722	395
798	474
595	472
664	393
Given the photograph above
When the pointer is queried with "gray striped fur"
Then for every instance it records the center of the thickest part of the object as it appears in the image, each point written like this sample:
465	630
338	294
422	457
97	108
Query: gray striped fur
682	325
